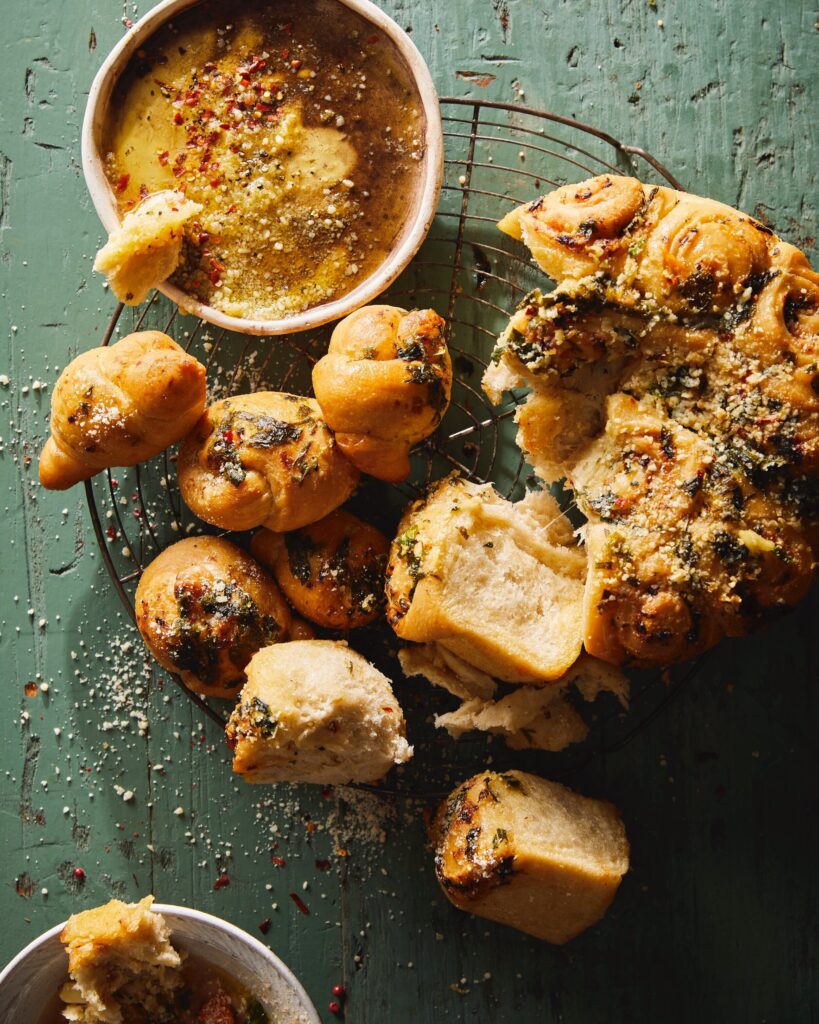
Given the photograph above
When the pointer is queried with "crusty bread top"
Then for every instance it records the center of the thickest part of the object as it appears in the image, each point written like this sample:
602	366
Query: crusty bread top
128	932
266	459
486	578
204	607
120	404
676	386
384	385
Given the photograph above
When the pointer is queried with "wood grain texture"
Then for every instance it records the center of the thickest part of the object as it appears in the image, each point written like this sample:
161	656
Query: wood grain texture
717	920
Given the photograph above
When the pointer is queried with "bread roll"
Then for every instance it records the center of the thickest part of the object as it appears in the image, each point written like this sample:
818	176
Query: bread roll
529	853
122	965
486	579
315	711
119	405
675	387
332	571
384	385
146	248
204	608
263	460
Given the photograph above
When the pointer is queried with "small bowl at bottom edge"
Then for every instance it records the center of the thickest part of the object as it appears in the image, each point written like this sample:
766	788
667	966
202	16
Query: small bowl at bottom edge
29	982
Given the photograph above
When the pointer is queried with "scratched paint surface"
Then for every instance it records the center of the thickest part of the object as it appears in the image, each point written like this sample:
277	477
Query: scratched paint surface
105	768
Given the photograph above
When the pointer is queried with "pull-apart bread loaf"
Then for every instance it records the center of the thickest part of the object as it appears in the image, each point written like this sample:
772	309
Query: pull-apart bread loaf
529	853
675	377
204	608
122	965
118	405
316	711
384	385
266	459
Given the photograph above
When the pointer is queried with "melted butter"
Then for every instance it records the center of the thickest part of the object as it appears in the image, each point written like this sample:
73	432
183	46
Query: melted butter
298	132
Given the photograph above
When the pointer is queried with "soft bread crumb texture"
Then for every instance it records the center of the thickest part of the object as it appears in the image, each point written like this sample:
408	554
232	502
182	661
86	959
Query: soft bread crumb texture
146	248
121	962
529	853
316	711
494	582
526	717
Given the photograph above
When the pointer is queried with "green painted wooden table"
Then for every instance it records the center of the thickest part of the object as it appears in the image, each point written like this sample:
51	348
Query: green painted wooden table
108	768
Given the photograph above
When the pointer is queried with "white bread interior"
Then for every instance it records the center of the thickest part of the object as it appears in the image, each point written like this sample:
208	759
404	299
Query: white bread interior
122	965
497	583
316	711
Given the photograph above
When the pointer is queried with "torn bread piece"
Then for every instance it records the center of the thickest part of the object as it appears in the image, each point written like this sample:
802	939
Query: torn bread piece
529	853
536	717
316	711
122	965
146	248
497	583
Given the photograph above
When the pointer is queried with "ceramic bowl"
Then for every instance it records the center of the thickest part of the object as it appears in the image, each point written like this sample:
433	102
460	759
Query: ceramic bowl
415	228
28	984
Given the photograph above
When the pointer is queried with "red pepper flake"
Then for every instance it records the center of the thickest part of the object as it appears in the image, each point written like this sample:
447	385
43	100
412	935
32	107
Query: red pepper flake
214	278
127	23
214	182
138	513
285	54
323	865
111	533
387	710
264	926
177	118
163	157
203	237
295	64
122	182
221	882
278	861
372	39
311	826
232	208
143	191
294	896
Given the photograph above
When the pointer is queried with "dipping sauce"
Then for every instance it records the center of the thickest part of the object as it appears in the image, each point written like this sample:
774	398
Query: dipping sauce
299	130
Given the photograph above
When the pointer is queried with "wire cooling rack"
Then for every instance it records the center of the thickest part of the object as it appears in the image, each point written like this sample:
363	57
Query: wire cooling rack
497	156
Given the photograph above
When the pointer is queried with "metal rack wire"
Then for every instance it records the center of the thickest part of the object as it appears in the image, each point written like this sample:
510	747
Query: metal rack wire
497	156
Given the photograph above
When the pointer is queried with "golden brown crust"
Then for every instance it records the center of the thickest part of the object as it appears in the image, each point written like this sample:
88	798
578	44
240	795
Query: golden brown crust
332	571
529	853
384	385
266	459
682	347
204	608
119	405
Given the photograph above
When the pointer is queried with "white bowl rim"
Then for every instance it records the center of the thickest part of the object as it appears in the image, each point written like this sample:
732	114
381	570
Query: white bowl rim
204	918
429	188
